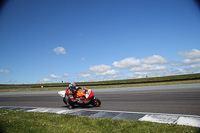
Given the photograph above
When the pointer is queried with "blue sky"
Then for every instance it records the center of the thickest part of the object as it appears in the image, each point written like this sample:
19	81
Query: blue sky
90	40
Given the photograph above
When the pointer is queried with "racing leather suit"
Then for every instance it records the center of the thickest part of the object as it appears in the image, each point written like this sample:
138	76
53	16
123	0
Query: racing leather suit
70	94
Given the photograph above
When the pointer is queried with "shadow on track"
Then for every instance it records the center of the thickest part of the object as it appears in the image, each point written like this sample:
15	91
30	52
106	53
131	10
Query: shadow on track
81	107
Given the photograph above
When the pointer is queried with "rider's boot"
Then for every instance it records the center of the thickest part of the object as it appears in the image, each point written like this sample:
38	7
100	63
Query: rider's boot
69	106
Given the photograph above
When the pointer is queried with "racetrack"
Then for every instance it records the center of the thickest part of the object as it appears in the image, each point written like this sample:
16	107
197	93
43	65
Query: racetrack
171	99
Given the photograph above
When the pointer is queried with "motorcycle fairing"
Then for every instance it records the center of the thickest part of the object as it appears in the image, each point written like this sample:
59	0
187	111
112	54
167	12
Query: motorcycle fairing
62	93
89	93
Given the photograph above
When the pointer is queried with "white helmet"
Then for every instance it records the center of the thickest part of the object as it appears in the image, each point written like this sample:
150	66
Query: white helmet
72	84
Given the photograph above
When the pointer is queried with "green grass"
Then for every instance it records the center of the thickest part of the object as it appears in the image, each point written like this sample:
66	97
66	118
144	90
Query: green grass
178	79
101	86
23	122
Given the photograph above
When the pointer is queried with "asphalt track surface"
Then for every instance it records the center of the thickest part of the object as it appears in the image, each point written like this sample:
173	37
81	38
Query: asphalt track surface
171	99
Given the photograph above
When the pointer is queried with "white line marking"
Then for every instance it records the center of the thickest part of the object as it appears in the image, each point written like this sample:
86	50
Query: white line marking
189	121
145	113
170	119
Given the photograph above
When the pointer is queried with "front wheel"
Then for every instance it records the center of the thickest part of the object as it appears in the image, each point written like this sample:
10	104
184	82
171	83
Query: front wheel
65	101
96	102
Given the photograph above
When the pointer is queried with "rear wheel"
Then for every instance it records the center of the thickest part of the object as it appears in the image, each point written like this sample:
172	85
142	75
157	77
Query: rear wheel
96	102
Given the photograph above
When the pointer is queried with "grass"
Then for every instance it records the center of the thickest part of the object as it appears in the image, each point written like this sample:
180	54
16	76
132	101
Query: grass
102	86
33	89
111	82
23	122
178	79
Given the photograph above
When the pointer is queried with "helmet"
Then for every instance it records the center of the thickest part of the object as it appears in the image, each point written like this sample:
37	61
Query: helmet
72	85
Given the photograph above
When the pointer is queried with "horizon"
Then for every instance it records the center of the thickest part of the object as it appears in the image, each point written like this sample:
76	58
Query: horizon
101	81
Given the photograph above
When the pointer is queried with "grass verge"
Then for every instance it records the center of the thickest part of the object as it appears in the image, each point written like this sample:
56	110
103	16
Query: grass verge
19	121
102	86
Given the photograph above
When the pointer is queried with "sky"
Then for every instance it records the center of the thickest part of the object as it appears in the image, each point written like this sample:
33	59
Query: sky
54	41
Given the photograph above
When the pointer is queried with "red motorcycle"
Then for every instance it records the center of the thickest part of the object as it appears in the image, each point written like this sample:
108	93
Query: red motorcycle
81	97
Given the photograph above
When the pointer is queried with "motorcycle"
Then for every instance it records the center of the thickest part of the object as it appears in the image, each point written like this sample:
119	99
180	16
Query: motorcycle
81	97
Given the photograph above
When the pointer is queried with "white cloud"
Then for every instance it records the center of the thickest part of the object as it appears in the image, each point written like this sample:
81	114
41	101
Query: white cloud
192	57
66	75
12	81
145	67
151	66
109	72
115	77
195	66
191	54
99	68
85	75
45	80
130	76
127	63
178	63
191	61
4	71
141	74
59	50
181	71
155	59
54	76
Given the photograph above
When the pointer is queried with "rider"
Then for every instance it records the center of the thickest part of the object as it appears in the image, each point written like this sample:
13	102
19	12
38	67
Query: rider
70	92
